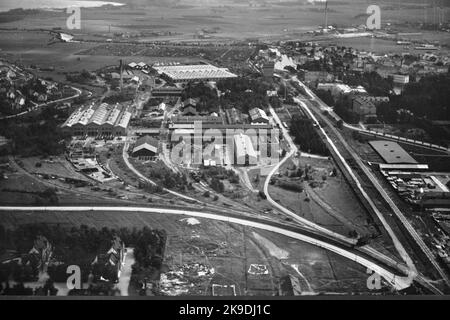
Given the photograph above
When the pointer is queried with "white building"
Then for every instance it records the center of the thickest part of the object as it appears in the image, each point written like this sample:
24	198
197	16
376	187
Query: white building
98	120
201	72
245	154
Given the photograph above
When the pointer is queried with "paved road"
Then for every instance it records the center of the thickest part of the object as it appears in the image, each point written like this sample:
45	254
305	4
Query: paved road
398	282
293	150
125	273
37	106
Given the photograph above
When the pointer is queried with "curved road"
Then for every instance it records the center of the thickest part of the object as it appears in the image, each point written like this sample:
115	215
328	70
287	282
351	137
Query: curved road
413	233
398	282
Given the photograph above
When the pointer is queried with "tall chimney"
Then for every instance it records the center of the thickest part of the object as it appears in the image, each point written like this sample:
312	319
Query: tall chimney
121	74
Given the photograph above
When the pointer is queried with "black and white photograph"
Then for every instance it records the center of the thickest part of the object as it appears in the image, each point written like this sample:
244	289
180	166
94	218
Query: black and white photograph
221	150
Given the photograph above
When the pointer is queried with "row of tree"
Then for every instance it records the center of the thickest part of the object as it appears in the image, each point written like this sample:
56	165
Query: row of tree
307	137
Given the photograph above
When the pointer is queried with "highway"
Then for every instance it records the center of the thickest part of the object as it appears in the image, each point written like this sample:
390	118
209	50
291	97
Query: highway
398	281
412	232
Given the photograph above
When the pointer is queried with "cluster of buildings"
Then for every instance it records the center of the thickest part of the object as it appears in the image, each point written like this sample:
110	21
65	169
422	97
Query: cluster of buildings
249	133
270	60
410	179
99	120
146	148
360	102
19	90
402	67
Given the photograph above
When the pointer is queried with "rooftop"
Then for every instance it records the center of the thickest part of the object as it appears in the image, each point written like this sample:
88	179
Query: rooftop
103	114
392	152
193	72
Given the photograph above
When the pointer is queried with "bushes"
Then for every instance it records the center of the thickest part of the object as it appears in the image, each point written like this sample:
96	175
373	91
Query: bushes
292	186
42	136
217	185
307	137
243	94
79	246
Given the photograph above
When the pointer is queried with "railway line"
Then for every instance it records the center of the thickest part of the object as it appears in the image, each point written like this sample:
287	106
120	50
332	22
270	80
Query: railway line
384	207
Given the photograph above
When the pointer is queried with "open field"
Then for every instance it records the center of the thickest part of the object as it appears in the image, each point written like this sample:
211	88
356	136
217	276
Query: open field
58	167
229	249
216	20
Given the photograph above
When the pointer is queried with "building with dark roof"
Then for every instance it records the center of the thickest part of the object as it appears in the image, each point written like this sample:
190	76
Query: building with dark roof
146	148
167	92
189	107
364	107
258	115
107	266
392	152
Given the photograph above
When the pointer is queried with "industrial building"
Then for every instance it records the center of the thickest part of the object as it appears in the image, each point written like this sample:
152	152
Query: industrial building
244	153
146	148
187	73
98	120
167	92
392	152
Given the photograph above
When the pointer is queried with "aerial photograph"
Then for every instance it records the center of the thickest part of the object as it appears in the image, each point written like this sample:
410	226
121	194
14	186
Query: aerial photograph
274	149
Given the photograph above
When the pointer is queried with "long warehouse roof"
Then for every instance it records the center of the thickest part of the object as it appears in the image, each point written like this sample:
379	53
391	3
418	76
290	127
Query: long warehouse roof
392	152
192	72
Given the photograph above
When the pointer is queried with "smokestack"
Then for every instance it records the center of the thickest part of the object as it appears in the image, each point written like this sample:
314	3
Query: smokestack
326	15
121	74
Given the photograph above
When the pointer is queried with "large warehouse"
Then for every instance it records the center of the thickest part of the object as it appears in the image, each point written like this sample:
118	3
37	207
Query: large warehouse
98	120
245	154
200	72
392	152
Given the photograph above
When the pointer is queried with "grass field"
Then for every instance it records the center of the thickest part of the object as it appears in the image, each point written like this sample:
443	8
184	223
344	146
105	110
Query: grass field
229	249
141	21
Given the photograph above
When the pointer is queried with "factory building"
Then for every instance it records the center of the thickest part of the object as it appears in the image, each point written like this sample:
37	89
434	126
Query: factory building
146	148
188	73
244	153
392	153
98	120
